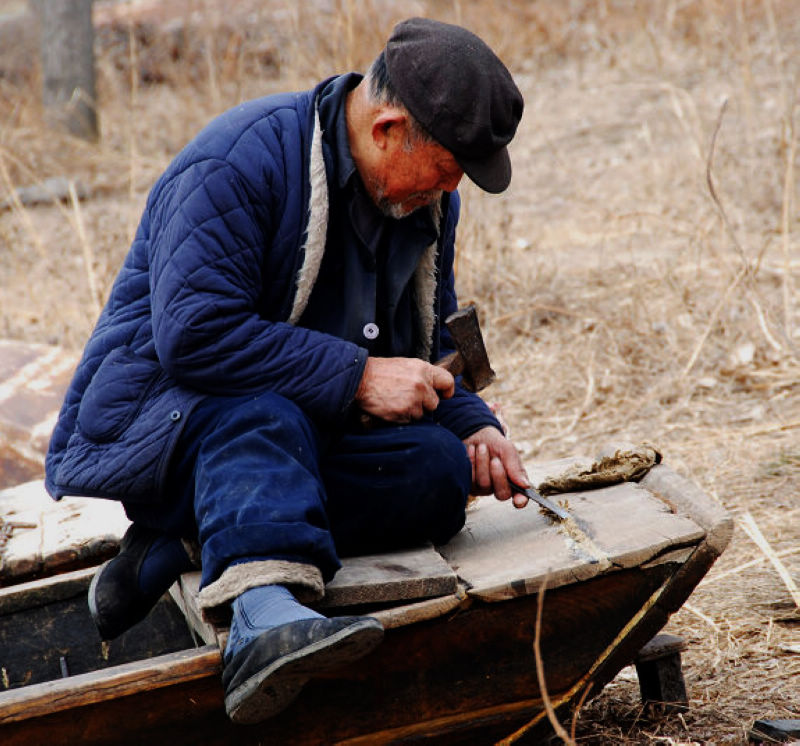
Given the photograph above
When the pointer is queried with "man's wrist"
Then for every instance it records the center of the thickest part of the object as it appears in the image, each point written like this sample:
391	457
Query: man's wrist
362	384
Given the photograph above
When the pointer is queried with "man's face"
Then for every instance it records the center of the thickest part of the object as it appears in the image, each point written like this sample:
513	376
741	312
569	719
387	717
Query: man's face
412	174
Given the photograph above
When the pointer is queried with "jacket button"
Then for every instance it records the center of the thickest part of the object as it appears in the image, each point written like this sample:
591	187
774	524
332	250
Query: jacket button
371	331
174	415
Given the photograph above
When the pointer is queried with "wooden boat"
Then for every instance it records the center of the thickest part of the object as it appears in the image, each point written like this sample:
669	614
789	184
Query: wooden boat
457	663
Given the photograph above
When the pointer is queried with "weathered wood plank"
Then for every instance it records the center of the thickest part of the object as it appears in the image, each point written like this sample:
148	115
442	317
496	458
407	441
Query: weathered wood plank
57	536
686	498
46	590
394	576
111	683
450	725
421	611
185	594
503	552
372	579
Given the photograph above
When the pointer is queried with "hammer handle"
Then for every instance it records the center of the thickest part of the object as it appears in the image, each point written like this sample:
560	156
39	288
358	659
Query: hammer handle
453	363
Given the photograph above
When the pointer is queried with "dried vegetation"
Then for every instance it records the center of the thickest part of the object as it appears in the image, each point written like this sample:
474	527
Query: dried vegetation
638	281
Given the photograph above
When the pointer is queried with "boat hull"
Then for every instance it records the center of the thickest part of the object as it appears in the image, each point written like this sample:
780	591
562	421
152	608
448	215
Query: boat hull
458	667
468	673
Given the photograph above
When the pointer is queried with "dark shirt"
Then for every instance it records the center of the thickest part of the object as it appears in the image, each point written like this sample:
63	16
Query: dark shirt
364	292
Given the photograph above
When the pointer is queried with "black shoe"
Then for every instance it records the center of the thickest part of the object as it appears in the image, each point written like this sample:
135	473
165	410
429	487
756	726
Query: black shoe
116	600
265	676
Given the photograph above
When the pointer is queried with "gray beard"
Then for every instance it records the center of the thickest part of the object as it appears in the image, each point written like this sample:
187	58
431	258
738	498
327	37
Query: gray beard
398	211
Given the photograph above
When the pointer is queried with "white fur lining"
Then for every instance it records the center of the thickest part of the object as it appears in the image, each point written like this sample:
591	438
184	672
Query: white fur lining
317	230
305	581
425	289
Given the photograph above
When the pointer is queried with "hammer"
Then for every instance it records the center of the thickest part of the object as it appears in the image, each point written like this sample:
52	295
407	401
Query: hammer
470	360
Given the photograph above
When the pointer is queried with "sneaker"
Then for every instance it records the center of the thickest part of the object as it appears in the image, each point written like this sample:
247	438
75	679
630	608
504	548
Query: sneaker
265	676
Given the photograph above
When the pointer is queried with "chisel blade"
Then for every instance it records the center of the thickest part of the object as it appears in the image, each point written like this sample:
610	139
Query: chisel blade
532	494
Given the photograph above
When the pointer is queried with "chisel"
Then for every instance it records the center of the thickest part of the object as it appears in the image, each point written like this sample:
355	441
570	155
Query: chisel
532	494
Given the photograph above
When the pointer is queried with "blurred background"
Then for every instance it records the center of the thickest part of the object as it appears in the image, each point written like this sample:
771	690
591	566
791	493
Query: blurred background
636	282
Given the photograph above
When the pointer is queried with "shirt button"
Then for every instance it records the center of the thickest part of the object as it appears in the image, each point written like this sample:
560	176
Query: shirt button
174	415
371	331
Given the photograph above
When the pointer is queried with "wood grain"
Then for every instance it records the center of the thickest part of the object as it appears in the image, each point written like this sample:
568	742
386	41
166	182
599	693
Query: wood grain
65	535
111	683
502	552
393	576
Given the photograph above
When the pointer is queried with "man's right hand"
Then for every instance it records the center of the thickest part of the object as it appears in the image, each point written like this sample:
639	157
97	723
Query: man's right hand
401	389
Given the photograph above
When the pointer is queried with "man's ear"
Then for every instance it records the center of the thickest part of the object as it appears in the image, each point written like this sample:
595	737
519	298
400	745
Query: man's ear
389	127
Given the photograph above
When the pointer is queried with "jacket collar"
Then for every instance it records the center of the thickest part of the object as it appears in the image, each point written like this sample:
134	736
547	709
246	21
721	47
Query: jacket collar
425	275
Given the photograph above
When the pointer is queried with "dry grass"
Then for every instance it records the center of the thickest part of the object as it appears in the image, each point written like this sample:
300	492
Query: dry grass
632	283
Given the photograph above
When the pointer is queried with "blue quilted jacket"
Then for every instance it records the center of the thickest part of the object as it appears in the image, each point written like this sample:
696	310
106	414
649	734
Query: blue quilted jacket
201	304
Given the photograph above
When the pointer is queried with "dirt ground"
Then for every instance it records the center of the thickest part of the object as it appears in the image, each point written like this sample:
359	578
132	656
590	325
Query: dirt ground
636	282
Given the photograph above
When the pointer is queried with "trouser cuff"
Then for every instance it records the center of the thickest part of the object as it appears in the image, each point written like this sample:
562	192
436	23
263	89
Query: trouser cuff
304	581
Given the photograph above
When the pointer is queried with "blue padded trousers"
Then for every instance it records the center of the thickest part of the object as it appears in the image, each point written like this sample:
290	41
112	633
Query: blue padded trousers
262	481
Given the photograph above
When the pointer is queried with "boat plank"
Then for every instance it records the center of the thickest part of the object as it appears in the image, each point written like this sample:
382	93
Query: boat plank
687	498
421	611
55	536
110	683
404	575
502	553
393	576
45	590
184	593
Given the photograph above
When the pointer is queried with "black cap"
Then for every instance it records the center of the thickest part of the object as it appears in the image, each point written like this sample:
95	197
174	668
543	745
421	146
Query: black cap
460	92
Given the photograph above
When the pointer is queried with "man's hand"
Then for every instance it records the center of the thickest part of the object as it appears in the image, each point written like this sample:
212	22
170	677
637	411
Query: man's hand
401	389
494	458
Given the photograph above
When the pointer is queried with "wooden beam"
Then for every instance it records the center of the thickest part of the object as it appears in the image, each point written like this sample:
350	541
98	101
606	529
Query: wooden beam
39	592
658	667
422	611
110	683
393	576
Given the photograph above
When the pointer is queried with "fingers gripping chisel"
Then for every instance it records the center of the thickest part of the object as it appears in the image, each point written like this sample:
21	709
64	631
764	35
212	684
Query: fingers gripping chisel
532	494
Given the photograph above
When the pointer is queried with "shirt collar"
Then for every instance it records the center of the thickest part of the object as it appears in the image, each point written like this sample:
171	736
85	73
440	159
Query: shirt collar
333	119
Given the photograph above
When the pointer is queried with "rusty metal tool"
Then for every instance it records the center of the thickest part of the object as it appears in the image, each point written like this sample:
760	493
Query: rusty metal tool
532	494
470	359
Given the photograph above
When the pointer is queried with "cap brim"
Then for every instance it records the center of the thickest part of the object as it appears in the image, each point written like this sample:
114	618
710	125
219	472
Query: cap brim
492	174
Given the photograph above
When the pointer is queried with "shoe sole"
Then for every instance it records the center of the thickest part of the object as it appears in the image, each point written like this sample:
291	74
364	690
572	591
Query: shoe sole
274	688
92	600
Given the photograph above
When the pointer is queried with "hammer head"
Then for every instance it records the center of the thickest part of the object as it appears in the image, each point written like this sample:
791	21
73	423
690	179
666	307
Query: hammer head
475	369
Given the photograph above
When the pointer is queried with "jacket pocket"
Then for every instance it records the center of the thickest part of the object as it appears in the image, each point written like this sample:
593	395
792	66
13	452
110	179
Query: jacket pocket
115	394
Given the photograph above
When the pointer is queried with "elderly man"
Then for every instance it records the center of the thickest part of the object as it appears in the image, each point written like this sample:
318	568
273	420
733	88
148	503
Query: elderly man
289	275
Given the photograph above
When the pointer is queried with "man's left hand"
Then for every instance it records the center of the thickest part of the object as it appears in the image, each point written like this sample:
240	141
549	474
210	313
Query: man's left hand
494	459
